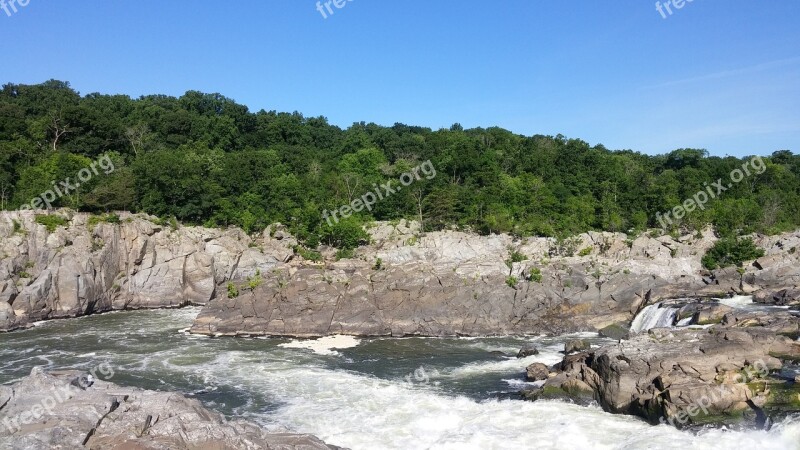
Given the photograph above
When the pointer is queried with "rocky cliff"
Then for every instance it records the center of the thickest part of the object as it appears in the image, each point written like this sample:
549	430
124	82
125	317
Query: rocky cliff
90	266
403	283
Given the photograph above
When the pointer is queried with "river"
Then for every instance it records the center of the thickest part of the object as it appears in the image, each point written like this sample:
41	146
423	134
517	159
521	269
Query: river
412	393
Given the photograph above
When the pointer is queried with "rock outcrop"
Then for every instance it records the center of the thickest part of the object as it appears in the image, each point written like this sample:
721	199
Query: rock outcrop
403	283
91	266
453	283
727	374
70	410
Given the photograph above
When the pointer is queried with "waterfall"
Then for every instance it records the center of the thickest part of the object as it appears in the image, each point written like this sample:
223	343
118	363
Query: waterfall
654	316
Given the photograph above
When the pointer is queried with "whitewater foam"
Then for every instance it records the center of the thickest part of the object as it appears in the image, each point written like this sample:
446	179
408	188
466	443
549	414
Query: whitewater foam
325	345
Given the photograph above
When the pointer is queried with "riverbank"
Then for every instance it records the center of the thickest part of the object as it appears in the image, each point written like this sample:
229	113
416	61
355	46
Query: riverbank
403	283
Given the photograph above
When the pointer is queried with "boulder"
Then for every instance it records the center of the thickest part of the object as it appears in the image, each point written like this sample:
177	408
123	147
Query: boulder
576	345
527	350
71	409
537	372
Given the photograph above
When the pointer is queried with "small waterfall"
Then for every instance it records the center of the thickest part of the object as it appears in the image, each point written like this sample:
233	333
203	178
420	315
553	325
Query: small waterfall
655	316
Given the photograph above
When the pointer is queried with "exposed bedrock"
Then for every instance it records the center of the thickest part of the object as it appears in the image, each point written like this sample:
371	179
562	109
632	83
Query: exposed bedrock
71	410
403	283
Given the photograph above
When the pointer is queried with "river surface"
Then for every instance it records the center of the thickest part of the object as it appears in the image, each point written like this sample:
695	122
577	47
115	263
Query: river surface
372	394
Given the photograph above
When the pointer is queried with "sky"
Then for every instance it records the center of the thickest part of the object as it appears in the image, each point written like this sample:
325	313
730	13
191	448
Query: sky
718	75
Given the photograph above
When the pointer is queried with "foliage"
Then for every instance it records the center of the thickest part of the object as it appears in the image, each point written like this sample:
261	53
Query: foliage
731	251
233	291
95	220
204	159
344	253
535	275
17	226
512	281
585	252
307	254
378	264
51	221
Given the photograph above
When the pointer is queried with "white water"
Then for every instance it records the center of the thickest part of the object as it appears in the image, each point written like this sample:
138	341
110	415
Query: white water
326	395
738	301
654	316
325	345
361	412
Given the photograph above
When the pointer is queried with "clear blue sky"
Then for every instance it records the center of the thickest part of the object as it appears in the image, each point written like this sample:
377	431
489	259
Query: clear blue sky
720	75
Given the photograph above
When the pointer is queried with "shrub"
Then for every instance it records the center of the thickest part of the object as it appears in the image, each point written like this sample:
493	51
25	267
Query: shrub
93	221
344	253
307	254
512	282
51	222
585	252
536	275
378	264
233	292
345	234
728	252
255	281
17	226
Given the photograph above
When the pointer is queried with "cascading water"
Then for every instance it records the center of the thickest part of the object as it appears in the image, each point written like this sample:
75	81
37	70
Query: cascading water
655	316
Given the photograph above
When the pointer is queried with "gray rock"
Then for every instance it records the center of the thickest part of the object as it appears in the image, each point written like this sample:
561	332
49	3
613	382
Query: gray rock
537	372
527	350
64	410
577	345
687	376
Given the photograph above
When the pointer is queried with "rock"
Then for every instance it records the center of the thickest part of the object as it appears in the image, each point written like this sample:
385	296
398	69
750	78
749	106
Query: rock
711	314
687	376
615	331
576	345
537	372
64	410
527	350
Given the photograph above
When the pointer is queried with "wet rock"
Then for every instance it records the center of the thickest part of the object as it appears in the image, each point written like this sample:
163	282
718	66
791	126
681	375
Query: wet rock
711	314
537	372
720	376
615	331
527	350
45	411
576	345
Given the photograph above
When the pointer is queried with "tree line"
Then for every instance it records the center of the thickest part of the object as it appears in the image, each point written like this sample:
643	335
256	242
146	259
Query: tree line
205	159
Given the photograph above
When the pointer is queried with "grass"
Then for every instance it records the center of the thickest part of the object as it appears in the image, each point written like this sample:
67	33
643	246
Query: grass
93	221
51	221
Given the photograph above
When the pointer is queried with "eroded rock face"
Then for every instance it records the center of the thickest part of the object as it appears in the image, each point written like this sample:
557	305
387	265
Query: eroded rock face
443	283
453	283
722	375
70	410
85	268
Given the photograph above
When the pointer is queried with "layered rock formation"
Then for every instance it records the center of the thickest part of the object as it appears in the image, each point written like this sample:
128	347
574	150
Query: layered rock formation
403	283
727	374
87	267
452	283
70	410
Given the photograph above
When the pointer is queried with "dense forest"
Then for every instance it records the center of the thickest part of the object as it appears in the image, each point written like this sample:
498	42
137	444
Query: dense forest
204	159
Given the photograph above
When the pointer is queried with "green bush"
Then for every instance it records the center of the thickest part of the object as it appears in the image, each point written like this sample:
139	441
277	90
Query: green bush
51	221
93	221
512	281
536	275
233	292
728	252
345	234
344	253
310	255
585	252
17	226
